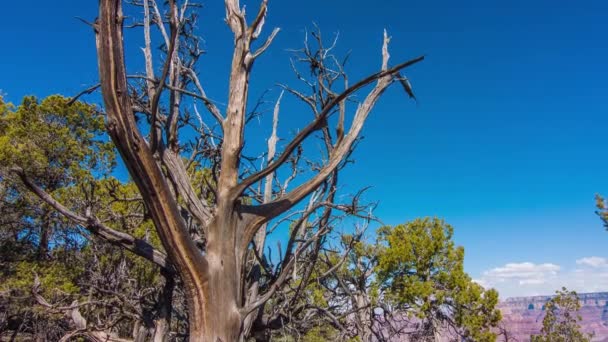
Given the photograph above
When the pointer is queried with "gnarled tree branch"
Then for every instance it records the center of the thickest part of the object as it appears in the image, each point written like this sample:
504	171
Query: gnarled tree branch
93	225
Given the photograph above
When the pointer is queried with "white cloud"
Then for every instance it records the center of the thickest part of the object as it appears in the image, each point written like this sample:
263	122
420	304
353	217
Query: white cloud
534	281
530	279
593	261
524	273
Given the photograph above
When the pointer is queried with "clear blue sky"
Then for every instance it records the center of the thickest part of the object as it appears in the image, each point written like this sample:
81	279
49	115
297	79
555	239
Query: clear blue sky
507	142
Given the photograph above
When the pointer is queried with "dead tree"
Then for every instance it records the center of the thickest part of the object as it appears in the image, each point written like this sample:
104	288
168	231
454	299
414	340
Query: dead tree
214	280
211	206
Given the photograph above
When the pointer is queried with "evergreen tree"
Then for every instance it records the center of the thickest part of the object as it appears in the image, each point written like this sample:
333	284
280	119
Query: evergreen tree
561	322
421	273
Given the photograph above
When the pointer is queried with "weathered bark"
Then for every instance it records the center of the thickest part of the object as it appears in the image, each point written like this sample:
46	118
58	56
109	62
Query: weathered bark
364	316
213	280
260	237
436	330
142	166
162	323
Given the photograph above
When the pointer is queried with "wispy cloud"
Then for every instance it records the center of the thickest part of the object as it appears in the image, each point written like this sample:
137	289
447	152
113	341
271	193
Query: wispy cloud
596	262
529	279
523	273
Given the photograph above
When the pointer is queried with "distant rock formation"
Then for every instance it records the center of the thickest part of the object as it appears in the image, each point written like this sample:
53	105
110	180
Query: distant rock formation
523	316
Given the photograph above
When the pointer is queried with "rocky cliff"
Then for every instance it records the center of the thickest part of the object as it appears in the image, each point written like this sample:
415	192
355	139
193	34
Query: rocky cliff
523	316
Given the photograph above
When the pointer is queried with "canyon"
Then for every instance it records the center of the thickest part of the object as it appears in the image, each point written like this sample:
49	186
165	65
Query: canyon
523	316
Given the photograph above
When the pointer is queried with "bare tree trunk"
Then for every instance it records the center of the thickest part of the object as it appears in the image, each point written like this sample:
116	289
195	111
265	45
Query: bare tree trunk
165	307
363	317
260	237
436	330
221	320
140	332
213	280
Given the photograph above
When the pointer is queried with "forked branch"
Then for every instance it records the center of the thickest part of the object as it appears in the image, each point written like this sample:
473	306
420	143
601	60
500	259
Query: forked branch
316	123
94	226
267	211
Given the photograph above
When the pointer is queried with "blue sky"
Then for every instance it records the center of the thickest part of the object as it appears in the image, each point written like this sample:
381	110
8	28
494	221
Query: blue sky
506	142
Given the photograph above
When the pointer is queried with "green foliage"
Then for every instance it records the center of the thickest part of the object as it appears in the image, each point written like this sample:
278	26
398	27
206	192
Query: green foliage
421	272
89	270
602	209
57	144
320	334
54	140
561	320
59	279
63	148
53	276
